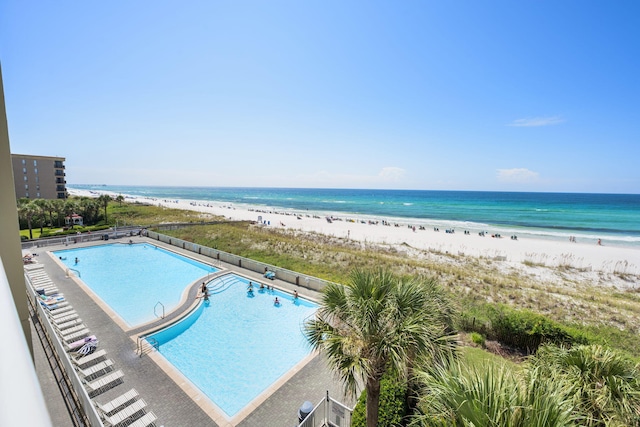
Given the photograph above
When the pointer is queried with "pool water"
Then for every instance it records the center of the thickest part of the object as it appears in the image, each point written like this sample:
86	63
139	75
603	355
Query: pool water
133	279
237	345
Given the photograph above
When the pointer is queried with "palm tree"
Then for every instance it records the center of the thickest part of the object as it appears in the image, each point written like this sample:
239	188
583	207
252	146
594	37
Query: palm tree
70	207
90	209
374	323
103	200
42	205
119	199
57	205
605	386
27	210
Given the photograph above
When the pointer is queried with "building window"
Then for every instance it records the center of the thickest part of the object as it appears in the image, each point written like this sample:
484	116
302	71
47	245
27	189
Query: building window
35	163
24	162
26	194
26	186
37	179
38	187
24	170
25	177
36	171
38	195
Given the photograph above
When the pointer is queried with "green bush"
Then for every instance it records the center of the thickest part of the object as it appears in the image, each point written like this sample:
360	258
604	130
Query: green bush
526	330
477	338
392	409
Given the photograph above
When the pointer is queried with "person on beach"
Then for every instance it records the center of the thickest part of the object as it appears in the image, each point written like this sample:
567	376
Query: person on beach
599	242
295	294
276	301
76	261
203	288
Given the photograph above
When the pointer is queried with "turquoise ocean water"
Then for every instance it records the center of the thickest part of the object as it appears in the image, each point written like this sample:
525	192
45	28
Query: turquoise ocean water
614	218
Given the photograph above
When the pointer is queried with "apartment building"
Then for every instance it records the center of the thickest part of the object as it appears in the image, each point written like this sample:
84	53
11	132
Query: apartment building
39	177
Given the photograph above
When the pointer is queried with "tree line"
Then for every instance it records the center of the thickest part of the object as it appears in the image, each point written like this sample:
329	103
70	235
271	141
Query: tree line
41	213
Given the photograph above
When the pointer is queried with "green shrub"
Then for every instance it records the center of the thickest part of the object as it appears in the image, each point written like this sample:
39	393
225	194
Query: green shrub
526	330
477	338
392	409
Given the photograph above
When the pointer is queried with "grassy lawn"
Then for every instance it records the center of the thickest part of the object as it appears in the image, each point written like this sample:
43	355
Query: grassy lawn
36	231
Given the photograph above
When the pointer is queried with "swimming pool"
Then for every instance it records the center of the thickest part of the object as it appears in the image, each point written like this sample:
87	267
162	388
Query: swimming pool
238	345
132	279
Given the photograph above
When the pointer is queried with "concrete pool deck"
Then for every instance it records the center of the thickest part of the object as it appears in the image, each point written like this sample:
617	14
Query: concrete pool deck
170	397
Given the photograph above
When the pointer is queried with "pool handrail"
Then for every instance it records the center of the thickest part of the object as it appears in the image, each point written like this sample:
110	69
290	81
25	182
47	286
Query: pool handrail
156	306
74	270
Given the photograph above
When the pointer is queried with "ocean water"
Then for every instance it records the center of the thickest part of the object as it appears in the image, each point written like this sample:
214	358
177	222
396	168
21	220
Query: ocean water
614	218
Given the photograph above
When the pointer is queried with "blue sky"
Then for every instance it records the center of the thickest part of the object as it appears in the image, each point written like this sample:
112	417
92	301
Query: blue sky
450	95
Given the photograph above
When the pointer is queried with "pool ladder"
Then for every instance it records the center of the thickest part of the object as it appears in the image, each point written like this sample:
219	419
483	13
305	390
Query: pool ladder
152	343
155	309
74	270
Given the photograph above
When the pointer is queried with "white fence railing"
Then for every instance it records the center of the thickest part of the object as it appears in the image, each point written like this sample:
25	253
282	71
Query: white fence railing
328	412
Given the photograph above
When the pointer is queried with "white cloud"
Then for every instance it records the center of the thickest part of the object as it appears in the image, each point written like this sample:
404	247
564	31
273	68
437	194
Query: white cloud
518	175
537	121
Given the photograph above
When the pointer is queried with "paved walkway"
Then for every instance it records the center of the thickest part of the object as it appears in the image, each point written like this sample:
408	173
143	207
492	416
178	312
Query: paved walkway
164	397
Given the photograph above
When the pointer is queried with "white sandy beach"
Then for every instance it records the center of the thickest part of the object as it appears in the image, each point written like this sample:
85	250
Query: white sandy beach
579	255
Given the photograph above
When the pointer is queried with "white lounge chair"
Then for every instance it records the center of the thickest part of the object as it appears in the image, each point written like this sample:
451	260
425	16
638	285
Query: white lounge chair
86	361
48	290
51	299
71	330
118	402
62	313
54	307
125	413
32	268
36	274
148	419
78	344
64	324
83	333
96	370
103	383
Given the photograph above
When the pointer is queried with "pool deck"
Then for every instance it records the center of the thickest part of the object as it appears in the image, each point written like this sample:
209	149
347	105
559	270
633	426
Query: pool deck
172	398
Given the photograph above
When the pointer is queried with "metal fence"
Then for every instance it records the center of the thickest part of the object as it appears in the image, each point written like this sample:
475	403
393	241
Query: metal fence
330	413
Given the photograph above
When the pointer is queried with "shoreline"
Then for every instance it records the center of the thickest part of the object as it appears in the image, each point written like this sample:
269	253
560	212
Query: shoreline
579	255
